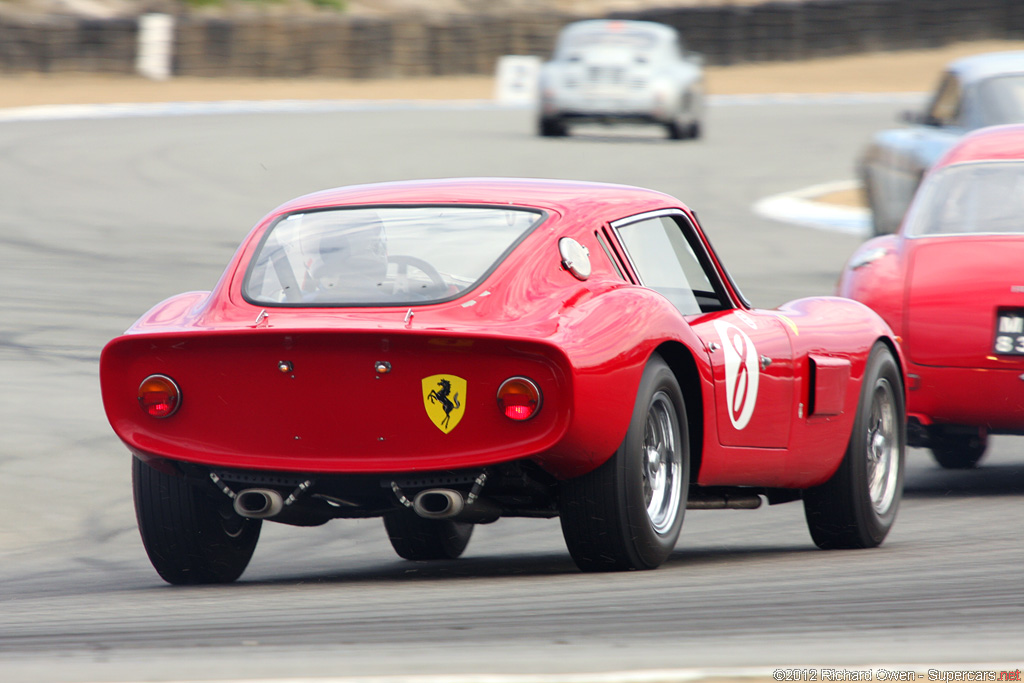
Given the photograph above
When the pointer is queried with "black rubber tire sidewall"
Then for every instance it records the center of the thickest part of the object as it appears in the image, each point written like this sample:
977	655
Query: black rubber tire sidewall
552	127
957	451
185	530
652	548
840	513
418	539
603	513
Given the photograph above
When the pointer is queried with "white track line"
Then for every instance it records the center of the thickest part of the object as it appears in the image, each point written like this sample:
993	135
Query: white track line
801	207
64	112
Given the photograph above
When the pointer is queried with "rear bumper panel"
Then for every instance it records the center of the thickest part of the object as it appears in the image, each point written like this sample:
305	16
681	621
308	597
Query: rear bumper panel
624	105
332	412
967	396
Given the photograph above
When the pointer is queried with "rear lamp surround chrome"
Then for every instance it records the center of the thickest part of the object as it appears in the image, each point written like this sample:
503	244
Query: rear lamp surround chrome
519	398
159	396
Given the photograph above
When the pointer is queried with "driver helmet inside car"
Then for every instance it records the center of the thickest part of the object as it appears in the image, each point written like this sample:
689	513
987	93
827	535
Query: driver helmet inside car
352	257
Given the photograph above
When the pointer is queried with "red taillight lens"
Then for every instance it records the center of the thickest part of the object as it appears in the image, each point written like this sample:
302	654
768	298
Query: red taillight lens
159	396
519	398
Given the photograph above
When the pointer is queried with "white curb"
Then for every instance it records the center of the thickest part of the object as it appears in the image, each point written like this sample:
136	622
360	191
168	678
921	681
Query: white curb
801	208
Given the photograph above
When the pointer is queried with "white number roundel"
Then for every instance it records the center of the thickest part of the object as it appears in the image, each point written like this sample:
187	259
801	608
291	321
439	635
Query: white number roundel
742	372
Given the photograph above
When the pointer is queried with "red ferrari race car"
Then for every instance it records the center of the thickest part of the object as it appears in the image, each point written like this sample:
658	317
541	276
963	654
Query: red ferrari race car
950	284
445	353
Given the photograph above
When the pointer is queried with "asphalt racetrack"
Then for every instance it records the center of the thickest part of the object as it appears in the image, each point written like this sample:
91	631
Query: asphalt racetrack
102	218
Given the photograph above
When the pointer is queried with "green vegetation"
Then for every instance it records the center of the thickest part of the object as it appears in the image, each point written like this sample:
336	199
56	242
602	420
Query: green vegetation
339	5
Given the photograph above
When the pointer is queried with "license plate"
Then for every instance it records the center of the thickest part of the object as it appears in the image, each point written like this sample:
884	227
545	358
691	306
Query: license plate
1009	338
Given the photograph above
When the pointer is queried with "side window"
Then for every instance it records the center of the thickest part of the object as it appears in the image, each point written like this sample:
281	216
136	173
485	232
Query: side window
945	109
667	262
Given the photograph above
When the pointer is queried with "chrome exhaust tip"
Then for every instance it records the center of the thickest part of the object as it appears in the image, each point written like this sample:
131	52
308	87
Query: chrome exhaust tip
438	503
258	503
453	505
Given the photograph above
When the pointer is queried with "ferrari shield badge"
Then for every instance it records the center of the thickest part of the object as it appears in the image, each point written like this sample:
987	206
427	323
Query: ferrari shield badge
444	397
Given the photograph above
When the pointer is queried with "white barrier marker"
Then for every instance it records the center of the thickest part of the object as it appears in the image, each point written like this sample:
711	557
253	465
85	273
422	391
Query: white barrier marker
516	80
156	38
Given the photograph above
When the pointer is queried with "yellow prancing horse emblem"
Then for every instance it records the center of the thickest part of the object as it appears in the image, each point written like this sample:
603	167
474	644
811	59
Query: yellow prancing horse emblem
444	397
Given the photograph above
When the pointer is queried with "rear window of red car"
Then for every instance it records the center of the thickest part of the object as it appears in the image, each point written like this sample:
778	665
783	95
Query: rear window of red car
380	256
970	198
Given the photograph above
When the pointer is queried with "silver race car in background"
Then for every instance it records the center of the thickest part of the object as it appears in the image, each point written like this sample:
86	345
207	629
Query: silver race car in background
973	92
612	71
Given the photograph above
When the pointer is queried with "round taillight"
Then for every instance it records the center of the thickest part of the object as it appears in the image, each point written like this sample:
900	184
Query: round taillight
519	398
159	396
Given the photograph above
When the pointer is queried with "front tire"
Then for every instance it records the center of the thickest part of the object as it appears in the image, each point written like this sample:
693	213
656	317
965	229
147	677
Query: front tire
416	538
957	451
189	538
627	514
857	506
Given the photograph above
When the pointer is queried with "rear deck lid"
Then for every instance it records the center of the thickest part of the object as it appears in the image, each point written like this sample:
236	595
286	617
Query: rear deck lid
965	301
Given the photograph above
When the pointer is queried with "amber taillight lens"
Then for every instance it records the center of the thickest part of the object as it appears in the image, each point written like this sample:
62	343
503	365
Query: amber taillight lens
159	396
519	398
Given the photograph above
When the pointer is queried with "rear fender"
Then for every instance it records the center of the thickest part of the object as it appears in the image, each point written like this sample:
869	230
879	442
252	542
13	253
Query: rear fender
609	355
694	381
172	313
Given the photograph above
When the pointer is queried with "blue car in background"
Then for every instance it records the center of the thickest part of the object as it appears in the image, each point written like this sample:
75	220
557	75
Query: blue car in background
974	92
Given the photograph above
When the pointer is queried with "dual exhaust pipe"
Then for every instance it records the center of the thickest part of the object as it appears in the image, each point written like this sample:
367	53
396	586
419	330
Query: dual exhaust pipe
459	507
429	504
454	505
258	503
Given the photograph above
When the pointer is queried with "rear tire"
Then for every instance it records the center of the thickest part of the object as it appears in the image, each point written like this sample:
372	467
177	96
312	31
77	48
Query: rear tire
957	451
681	129
190	538
552	127
416	538
627	514
857	506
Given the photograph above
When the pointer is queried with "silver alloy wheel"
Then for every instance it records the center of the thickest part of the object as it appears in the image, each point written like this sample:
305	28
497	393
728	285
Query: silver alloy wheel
883	448
662	464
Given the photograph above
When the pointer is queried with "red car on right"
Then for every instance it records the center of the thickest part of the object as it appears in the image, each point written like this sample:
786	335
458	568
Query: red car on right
950	283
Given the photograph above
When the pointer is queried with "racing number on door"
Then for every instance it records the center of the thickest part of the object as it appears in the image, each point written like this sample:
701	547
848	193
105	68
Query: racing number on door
752	362
742	373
